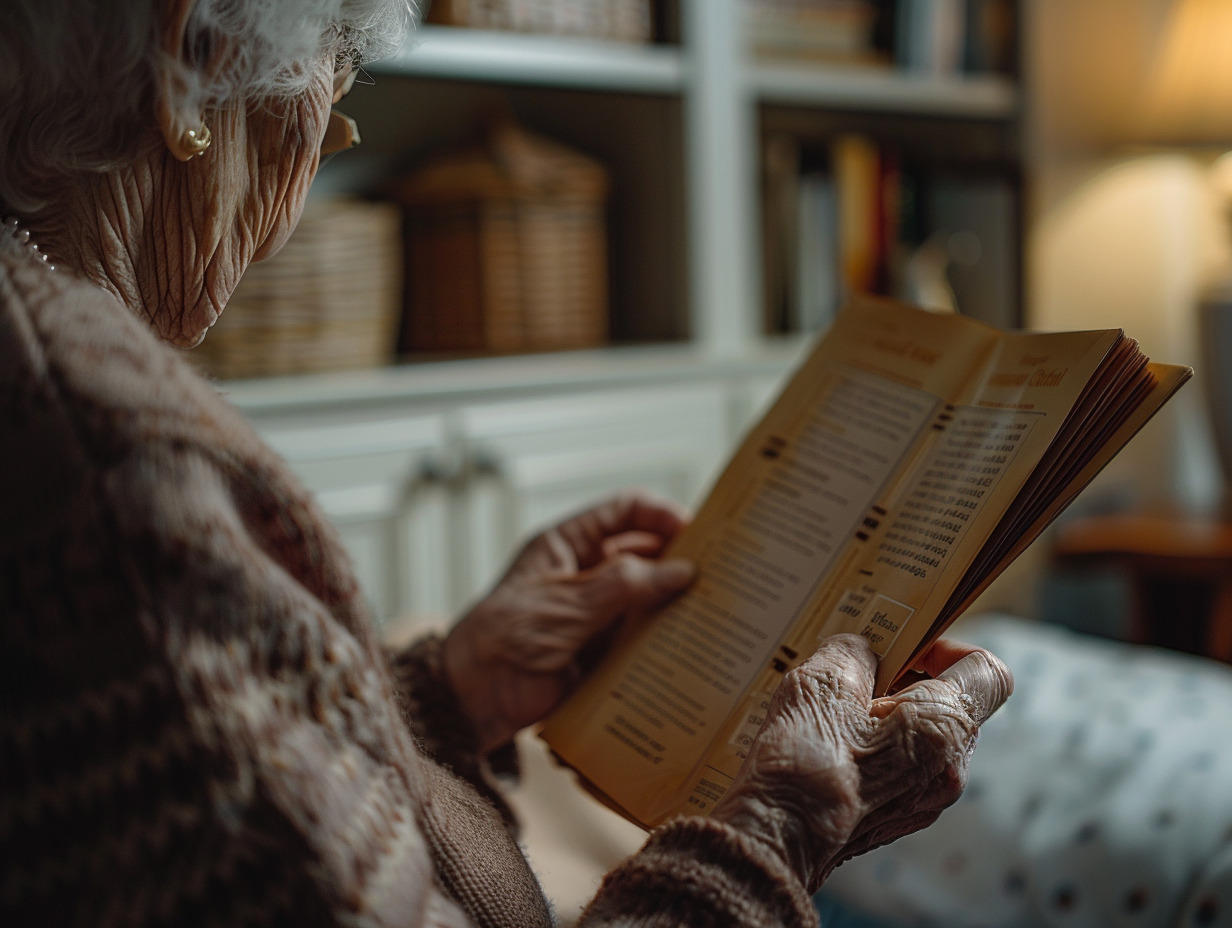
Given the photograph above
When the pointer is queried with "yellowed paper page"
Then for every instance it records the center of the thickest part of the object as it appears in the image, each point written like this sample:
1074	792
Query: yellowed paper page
780	519
1168	378
858	504
955	496
923	538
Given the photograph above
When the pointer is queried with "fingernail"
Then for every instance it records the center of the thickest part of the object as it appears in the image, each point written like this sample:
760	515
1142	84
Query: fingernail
677	571
883	707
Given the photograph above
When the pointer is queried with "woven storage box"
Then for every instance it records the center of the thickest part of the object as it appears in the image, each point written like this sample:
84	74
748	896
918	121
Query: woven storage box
329	300
619	20
506	248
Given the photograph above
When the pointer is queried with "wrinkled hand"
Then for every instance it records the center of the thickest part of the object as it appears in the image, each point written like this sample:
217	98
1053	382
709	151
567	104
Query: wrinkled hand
834	772
514	656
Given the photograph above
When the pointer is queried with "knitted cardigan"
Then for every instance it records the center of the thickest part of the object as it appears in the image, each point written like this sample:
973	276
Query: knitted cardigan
198	725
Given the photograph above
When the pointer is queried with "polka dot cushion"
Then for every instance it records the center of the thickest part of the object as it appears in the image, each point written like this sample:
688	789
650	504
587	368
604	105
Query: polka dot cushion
1100	795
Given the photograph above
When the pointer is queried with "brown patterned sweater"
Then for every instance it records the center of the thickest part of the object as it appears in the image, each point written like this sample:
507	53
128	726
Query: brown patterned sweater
197	723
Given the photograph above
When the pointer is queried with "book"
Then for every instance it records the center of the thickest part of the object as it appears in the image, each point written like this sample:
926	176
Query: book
848	213
909	459
818	288
812	30
931	36
991	30
780	221
857	164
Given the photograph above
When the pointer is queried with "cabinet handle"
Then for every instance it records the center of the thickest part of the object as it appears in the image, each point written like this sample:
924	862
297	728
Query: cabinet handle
453	470
485	462
439	469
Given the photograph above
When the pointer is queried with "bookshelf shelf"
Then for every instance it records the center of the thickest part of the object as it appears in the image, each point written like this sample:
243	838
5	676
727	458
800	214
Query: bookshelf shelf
684	125
510	58
884	90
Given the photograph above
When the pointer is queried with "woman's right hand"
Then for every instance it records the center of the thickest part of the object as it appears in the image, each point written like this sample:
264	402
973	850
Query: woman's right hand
834	772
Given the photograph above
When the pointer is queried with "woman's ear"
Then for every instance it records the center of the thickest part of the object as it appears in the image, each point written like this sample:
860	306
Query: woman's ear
177	108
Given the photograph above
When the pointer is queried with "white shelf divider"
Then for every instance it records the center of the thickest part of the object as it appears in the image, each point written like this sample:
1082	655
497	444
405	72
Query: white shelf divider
721	151
553	61
884	89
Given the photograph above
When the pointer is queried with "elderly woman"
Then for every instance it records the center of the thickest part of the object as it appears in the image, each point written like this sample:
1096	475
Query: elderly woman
199	725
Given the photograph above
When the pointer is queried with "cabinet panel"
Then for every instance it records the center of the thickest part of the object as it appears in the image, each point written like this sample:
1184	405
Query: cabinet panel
432	483
383	483
536	461
680	125
750	398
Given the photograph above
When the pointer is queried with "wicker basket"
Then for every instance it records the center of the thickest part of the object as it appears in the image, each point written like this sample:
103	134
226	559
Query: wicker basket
618	20
329	300
506	249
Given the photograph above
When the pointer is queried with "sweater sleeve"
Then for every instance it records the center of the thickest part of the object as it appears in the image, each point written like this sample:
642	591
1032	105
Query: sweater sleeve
197	726
443	731
698	873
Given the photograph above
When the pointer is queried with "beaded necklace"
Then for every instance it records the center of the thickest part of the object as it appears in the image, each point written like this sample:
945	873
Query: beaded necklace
21	237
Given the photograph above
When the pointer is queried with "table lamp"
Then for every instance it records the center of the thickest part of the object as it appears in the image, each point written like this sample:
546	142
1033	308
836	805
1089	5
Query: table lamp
1187	103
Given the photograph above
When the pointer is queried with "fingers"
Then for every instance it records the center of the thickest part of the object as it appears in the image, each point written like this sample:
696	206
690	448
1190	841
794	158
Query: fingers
647	544
628	583
635	511
843	666
636	521
942	653
940	717
850	652
983	682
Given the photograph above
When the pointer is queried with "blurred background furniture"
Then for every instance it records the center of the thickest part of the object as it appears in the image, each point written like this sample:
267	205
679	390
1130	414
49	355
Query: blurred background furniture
618	20
329	300
679	120
1179	568
1187	105
506	247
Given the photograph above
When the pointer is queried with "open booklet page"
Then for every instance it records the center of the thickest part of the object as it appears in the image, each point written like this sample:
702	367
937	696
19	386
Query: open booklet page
907	461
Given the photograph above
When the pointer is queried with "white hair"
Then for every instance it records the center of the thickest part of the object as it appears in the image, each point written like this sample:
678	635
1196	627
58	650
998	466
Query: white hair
77	76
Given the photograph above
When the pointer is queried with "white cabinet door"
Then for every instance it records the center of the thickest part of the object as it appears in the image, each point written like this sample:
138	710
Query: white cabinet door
381	480
530	462
433	499
750	398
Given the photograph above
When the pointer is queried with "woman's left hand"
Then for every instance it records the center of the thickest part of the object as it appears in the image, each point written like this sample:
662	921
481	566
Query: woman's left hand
512	658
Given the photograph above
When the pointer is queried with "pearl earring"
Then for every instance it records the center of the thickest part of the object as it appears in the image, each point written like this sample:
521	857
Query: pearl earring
195	141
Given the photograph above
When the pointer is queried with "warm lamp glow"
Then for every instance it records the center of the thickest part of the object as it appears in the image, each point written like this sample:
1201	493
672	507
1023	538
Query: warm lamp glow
1221	175
1188	99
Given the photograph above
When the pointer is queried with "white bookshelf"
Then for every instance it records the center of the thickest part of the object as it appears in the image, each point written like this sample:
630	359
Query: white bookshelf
885	90
442	466
679	124
512	58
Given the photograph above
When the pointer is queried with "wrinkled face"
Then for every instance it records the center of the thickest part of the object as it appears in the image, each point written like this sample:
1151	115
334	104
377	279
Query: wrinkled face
332	134
285	151
237	203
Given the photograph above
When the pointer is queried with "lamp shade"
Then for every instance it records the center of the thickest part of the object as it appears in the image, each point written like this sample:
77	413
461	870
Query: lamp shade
1188	96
